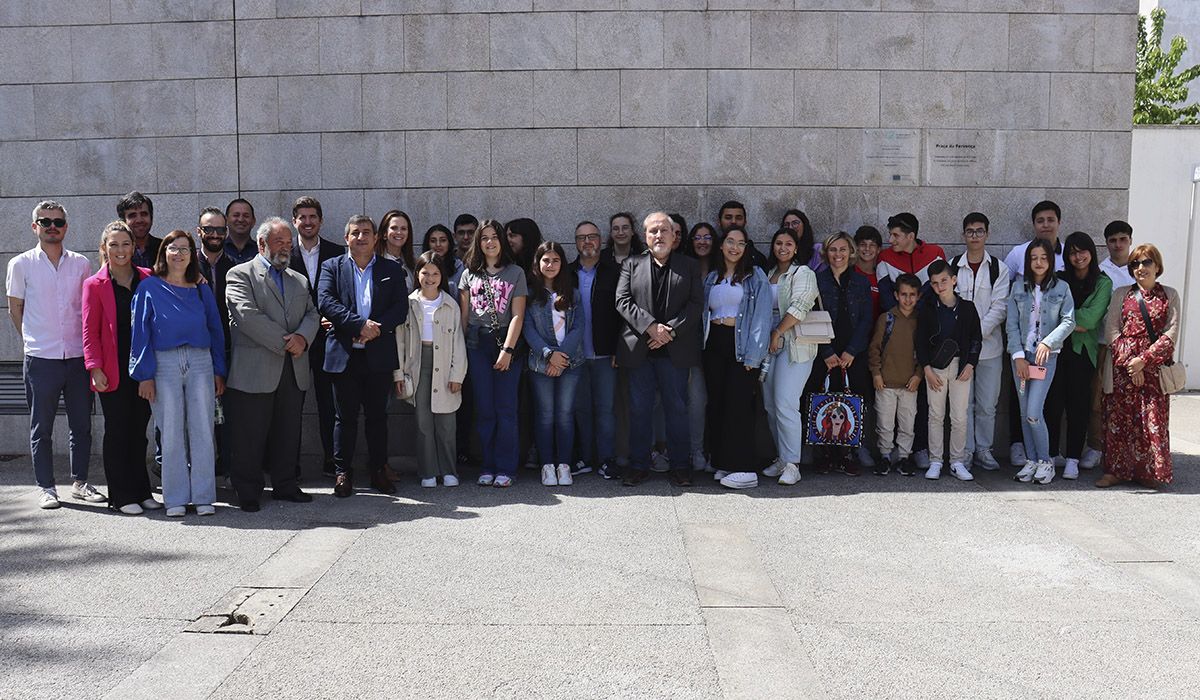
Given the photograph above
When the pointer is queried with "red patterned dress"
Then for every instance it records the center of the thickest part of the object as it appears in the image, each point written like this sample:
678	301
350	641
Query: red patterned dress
1136	440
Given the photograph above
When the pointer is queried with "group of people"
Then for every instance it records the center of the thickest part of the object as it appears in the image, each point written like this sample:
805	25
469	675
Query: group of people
682	350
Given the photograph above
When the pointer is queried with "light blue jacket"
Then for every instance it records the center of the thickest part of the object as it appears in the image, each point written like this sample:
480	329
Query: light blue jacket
538	331
1056	316
752	330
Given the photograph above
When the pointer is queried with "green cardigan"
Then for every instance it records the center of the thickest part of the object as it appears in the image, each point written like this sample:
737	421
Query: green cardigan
1090	317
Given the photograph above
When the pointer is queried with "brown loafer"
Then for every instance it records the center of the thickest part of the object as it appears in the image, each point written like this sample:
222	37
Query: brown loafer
680	477
381	483
391	473
1108	480
1151	483
344	486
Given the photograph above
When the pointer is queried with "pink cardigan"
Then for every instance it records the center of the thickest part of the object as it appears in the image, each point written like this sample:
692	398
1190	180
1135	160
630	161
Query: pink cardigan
100	325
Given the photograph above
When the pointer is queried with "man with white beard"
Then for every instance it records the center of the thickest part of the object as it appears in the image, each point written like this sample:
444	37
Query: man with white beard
272	322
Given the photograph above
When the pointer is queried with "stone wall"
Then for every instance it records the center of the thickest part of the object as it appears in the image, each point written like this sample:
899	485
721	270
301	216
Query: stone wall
561	109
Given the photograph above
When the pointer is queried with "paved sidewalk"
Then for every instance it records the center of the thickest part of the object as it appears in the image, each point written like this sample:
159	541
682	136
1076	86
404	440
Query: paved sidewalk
838	587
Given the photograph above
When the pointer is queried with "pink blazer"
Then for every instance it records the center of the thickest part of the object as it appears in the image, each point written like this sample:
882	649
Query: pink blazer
100	325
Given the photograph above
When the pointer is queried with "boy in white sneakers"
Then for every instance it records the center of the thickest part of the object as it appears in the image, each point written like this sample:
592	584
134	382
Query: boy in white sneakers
897	376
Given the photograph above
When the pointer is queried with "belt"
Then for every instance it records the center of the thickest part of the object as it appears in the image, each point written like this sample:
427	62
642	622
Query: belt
724	321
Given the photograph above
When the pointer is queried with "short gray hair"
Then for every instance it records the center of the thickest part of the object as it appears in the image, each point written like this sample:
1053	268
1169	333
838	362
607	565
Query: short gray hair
264	229
48	204
362	219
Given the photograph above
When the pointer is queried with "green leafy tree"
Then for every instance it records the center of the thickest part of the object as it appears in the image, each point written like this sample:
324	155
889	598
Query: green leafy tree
1160	93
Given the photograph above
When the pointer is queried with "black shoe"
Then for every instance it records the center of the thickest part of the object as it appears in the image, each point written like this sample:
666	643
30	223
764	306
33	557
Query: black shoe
296	496
681	477
249	506
883	467
906	467
608	470
634	477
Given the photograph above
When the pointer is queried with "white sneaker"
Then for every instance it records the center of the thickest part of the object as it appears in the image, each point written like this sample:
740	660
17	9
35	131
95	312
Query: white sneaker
131	509
791	474
1071	469
865	459
83	491
1091	458
1026	473
549	478
960	471
934	471
720	474
1016	454
206	510
740	480
49	499
564	475
429	483
176	511
985	460
151	504
659	462
774	470
486	480
449	480
922	459
1044	473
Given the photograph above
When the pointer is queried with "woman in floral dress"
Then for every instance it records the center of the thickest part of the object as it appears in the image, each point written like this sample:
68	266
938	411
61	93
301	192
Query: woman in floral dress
1136	439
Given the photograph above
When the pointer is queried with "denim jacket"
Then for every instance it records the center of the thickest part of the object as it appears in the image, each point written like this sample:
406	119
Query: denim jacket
752	330
1056	316
858	303
538	331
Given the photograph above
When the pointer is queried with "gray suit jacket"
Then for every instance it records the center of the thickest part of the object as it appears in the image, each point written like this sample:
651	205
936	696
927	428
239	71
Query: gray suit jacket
258	320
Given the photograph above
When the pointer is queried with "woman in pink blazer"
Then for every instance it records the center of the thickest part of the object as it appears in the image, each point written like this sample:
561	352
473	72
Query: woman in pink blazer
107	331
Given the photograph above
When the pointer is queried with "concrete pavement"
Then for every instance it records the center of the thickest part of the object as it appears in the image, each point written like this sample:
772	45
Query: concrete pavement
838	587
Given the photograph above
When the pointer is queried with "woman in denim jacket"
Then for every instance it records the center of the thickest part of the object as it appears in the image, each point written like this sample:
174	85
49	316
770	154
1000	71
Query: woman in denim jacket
737	331
1041	316
554	332
846	295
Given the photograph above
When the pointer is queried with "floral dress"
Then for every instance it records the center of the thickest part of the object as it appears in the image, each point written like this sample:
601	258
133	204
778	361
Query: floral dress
1136	439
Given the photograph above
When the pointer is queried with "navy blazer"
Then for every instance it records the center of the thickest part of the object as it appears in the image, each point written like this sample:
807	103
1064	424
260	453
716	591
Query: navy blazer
338	303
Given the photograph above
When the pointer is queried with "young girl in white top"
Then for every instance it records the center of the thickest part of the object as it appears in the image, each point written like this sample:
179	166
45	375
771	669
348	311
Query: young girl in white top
433	359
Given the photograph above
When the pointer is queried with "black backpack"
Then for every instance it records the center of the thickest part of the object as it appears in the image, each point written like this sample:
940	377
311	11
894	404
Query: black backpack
993	266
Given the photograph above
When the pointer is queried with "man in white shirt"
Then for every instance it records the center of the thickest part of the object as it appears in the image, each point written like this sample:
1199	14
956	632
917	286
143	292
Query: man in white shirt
45	302
984	282
1118	237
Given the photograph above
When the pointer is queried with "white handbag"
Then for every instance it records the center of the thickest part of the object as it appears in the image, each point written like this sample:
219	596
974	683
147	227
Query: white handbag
817	326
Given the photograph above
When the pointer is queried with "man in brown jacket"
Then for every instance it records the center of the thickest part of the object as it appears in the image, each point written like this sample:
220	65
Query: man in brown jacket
897	375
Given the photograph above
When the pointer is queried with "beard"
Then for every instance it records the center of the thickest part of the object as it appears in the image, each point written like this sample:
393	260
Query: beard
280	260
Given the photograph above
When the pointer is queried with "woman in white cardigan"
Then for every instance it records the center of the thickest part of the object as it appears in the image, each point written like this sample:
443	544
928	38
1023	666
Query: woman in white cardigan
433	363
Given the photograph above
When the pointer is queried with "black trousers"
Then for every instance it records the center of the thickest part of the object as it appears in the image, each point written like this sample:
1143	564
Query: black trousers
730	415
264	432
1070	393
125	418
858	379
322	391
354	390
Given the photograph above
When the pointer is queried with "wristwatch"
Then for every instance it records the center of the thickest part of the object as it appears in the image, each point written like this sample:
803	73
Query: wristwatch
507	350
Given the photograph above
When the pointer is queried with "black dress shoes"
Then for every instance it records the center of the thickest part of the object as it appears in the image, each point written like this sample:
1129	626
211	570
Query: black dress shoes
344	486
296	496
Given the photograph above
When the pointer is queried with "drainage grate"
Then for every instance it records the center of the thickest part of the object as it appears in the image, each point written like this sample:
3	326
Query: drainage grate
248	611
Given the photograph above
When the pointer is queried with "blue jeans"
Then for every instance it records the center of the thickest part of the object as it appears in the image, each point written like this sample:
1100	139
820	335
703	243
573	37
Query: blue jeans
594	418
1033	400
554	414
697	401
45	381
671	384
495	395
183	411
781	397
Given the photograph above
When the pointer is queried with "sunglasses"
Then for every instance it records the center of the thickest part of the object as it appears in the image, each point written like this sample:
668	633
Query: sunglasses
214	229
47	223
1135	264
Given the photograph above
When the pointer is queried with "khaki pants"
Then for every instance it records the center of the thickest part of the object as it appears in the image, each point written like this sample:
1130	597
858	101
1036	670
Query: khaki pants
896	410
959	394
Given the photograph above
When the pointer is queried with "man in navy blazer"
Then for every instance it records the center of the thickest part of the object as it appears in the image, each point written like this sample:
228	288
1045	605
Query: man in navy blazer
309	253
364	298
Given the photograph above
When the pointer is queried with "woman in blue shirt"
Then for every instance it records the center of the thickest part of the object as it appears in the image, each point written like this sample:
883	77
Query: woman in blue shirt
178	359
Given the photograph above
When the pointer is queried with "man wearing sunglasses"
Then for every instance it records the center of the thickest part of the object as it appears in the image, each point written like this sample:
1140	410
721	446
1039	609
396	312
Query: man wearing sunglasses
137	211
45	301
215	265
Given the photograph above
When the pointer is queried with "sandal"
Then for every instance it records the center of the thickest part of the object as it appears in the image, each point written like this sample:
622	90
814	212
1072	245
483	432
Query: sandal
1108	480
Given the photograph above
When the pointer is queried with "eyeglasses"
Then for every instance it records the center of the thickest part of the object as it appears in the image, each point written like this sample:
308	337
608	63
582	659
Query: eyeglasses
703	239
178	250
975	232
735	244
1135	264
588	238
47	223
214	229
793	224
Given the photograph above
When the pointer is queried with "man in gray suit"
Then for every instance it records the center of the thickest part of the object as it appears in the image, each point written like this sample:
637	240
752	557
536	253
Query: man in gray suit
272	321
660	297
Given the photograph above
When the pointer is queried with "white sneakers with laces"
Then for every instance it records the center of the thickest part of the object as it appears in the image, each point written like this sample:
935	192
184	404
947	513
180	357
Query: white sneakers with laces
774	470
790	476
1026	473
549	477
960	471
449	480
1091	458
49	499
1044	473
740	480
934	471
1071	469
83	491
564	475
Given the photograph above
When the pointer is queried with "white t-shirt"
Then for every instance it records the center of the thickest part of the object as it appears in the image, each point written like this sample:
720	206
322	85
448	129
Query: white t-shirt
559	318
428	308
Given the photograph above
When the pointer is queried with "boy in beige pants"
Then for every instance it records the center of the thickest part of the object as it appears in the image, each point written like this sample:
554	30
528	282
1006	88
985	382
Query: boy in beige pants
897	376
